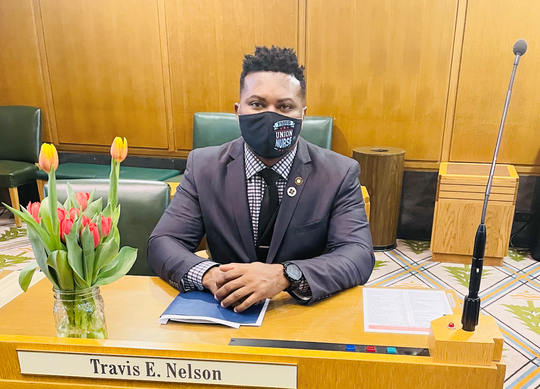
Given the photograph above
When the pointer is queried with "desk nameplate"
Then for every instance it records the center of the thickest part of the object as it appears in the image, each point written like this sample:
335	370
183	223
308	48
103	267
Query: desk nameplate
157	369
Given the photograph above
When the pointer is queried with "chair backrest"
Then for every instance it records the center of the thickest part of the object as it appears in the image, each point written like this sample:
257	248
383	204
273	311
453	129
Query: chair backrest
142	204
216	128
20	133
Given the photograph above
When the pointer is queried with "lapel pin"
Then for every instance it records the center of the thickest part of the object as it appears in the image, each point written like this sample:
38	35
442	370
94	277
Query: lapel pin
291	192
298	180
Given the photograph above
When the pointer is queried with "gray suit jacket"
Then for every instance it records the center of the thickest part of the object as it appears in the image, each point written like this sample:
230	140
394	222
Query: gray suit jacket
323	228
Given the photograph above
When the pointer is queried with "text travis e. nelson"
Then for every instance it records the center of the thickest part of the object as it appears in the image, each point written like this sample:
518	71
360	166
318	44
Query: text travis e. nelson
150	370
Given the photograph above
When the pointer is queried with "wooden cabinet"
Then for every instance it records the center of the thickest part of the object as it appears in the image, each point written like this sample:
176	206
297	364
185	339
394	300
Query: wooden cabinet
458	209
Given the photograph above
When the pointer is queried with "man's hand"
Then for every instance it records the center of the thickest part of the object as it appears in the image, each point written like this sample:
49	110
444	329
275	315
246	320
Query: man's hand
248	283
210	277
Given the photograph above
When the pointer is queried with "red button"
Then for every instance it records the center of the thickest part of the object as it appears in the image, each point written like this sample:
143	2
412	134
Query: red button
371	349
451	325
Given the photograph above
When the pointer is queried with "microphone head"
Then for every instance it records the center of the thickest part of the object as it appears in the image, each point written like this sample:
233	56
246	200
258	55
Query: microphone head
520	47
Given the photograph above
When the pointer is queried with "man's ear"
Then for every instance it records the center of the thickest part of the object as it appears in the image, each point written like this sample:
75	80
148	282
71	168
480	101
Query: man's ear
236	107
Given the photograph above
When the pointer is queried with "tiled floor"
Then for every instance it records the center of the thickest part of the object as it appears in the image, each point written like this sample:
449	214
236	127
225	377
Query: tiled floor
510	293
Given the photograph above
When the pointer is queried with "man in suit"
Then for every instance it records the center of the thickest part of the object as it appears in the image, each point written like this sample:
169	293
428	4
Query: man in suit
279	213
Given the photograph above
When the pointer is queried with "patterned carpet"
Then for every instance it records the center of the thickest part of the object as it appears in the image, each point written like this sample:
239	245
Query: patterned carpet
510	293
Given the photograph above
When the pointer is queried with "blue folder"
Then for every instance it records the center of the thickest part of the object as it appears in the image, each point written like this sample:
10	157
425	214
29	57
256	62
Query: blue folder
201	307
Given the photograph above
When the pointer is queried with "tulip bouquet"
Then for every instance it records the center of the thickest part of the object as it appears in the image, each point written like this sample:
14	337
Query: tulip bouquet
77	246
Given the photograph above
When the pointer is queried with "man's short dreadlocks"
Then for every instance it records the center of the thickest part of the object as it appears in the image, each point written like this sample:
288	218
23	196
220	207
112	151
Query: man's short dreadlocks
275	59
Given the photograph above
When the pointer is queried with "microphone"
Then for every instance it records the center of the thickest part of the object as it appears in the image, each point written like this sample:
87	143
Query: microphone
520	47
471	306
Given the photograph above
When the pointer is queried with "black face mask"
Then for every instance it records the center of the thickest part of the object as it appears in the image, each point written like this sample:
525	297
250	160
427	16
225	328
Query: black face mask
269	134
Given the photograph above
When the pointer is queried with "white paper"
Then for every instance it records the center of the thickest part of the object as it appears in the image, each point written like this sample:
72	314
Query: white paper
403	311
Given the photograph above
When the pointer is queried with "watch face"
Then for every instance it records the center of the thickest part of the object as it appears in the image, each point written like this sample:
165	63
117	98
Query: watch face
294	272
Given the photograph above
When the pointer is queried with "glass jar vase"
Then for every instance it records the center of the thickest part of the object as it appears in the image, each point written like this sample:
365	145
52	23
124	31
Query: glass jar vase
79	313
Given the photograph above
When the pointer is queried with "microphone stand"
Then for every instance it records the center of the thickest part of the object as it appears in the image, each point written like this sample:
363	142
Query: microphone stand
471	306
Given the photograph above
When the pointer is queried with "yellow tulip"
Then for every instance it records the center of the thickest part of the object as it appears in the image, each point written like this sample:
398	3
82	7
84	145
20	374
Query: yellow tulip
119	149
48	157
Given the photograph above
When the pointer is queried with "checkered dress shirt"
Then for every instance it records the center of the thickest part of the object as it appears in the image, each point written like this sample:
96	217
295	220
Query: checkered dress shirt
255	190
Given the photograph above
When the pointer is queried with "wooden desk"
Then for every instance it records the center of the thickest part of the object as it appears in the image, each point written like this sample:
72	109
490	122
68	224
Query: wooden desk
134	304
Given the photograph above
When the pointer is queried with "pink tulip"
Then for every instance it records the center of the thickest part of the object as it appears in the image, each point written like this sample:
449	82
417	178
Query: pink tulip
62	214
93	230
86	220
73	212
33	208
65	228
95	233
106	224
82	199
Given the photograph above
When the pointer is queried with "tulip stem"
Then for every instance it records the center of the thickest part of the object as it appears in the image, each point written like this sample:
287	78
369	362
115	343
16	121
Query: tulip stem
53	200
113	188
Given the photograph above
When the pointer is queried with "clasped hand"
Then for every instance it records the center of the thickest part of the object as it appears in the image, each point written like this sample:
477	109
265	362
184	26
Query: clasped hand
241	285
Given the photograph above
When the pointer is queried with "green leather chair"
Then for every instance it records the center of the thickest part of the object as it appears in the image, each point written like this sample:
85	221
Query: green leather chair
216	128
142	204
20	140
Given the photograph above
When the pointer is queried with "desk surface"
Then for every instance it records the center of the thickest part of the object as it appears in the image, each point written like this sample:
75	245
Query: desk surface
133	305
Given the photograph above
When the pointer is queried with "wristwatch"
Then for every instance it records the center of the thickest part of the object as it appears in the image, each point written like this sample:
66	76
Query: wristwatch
293	274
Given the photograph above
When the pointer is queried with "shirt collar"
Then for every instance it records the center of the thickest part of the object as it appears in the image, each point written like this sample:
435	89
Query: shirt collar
254	165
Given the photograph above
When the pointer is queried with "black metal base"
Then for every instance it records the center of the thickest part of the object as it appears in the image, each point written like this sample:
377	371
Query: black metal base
471	312
385	248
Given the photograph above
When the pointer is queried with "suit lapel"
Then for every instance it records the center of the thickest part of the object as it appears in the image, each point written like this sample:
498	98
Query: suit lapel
237	198
301	168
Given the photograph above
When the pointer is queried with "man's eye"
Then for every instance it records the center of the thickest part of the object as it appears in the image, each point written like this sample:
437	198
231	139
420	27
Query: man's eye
286	107
256	104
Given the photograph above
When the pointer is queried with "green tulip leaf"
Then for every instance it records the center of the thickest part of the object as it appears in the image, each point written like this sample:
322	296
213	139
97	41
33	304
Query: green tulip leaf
96	219
125	260
115	234
77	226
58	262
45	213
87	241
93	208
29	220
26	217
26	274
113	262
71	197
75	259
91	198
46	217
41	253
107	212
116	214
104	255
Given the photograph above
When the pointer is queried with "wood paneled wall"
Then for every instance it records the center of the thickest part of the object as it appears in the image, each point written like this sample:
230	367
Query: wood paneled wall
491	30
207	48
426	76
105	69
21	77
382	68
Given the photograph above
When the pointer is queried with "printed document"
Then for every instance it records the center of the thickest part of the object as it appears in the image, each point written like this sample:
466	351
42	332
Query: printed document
403	311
